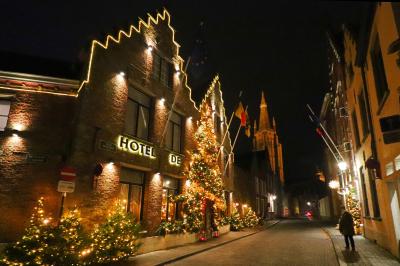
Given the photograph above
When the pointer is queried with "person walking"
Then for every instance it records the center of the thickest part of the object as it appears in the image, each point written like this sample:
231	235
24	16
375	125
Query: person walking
346	228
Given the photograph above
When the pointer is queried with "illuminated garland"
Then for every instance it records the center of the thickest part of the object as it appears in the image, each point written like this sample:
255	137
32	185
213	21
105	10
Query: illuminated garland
352	205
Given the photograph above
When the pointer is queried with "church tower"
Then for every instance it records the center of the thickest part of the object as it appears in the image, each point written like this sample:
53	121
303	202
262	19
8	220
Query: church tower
266	138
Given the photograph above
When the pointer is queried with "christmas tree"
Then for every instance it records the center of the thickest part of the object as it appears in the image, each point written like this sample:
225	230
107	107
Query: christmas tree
353	206
204	176
114	240
235	220
250	218
32	249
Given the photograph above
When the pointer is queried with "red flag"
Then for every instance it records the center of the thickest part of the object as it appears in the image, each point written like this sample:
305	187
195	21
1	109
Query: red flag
243	118
319	131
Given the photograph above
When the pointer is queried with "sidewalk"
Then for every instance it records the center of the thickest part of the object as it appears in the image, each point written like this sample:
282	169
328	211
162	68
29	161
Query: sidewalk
162	257
366	253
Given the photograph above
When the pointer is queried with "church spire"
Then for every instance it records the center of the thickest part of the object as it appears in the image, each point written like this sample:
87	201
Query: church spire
263	123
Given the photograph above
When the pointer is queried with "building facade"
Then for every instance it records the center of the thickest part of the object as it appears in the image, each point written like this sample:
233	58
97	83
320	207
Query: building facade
126	128
372	77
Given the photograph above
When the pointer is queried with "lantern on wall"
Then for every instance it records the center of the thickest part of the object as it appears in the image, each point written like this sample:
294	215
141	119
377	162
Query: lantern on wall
97	171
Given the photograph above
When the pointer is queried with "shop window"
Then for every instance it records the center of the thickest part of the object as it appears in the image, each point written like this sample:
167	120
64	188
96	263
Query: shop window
137	114
131	191
4	111
162	70
170	189
173	135
355	129
397	162
389	168
363	113
381	85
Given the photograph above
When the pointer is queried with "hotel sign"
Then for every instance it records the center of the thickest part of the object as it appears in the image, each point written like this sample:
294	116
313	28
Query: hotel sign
134	146
174	159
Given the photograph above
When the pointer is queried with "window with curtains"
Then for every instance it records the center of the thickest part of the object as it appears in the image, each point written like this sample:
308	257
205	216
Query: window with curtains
170	189
4	112
137	114
355	129
162	70
374	193
131	190
174	132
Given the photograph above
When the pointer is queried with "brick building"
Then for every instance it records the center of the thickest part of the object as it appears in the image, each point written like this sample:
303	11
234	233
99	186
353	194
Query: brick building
125	126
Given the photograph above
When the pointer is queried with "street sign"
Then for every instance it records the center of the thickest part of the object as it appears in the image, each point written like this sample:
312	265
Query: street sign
68	173
66	186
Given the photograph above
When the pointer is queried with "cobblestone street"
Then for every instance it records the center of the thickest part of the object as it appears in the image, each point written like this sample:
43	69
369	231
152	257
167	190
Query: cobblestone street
291	242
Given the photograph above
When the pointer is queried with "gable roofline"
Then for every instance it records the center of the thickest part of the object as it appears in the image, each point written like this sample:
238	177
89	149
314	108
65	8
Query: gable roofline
160	16
211	88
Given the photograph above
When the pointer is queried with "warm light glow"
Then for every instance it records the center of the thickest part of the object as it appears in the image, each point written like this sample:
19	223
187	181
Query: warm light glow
244	205
15	135
342	165
236	204
167	182
274	197
121	74
46	221
334	184
162	100
187	183
18	127
190	118
308	203
149	49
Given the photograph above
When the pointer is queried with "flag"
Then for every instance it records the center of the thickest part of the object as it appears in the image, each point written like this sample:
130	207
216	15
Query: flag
241	114
248	126
319	131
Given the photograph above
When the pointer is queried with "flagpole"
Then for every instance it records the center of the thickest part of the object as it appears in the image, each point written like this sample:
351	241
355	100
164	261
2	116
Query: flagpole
323	128
234	142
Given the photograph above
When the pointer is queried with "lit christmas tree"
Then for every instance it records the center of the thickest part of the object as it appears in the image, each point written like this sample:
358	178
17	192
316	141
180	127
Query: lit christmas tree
32	249
235	220
114	240
353	206
204	176
250	218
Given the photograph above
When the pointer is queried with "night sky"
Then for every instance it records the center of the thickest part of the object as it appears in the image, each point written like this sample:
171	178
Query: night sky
280	49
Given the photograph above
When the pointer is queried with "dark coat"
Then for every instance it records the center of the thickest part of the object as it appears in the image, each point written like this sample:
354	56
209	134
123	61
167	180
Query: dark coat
346	226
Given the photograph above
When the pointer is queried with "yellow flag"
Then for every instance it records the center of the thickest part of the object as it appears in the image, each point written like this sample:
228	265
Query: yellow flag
239	111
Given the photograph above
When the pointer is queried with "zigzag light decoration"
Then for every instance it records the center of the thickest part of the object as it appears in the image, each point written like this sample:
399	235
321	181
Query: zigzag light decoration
165	15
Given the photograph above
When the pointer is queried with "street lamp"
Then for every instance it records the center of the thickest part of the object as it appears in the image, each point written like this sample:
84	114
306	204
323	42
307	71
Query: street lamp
342	165
308	203
334	184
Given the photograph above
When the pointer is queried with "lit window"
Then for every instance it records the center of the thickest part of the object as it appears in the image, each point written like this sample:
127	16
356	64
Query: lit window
170	189
131	189
4	111
162	70
137	114
174	132
389	168
397	162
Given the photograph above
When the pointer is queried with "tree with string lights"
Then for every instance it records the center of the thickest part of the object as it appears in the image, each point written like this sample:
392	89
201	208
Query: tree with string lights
204	177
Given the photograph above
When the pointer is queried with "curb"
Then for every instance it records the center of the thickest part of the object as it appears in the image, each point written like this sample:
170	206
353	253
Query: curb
215	246
340	262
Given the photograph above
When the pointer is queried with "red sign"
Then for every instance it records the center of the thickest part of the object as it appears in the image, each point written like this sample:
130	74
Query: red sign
68	173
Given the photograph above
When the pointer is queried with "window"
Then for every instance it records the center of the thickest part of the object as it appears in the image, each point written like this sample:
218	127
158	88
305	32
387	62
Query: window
374	194
4	111
364	192
137	114
389	168
162	70
169	208
355	129
381	85
397	162
131	190
173	135
363	113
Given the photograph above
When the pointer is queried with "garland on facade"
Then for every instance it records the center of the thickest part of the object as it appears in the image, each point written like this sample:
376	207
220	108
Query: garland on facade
353	206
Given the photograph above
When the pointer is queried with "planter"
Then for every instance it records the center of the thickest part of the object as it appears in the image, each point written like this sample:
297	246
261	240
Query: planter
224	229
154	243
